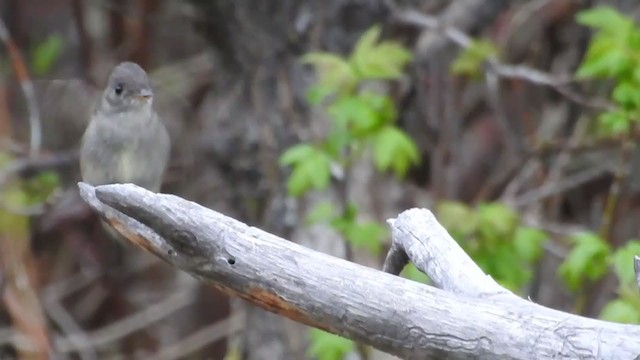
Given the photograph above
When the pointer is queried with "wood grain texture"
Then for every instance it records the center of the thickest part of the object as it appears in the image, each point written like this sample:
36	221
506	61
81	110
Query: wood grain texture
395	315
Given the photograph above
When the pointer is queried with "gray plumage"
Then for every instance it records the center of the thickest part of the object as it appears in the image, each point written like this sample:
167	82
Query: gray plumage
125	141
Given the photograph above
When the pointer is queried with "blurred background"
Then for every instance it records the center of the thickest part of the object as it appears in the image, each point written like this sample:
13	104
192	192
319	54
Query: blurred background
515	122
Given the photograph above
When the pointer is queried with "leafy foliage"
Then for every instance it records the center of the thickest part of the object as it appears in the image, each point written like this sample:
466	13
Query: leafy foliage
411	272
471	60
622	261
327	346
19	194
621	311
373	59
494	237
394	150
614	53
46	54
361	120
311	168
361	234
590	259
586	261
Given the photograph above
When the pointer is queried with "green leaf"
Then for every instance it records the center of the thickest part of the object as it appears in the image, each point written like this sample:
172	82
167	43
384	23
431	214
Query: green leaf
586	261
613	49
317	93
606	19
633	40
603	60
311	168
373	60
496	222
367	41
336	142
323	211
528	243
296	153
623	261
614	122
334	73
411	272
459	220
46	54
327	346
627	94
636	74
355	114
620	311
507	268
39	188
382	105
351	212
471	60
367	235
393	149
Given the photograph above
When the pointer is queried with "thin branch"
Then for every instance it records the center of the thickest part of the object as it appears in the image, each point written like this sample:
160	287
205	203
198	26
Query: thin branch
39	163
54	294
509	134
558	82
548	147
70	327
119	329
35	125
107	335
34	163
617	191
200	338
560	186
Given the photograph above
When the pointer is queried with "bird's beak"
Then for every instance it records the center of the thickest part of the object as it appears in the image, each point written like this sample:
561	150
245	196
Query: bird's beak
145	94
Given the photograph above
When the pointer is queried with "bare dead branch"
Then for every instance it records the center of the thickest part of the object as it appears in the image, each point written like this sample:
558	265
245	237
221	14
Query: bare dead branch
473	317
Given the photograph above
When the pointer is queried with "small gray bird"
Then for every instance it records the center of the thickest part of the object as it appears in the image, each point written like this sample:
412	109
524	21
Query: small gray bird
125	141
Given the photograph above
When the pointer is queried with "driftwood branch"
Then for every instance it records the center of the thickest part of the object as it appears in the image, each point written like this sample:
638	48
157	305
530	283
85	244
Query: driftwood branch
471	316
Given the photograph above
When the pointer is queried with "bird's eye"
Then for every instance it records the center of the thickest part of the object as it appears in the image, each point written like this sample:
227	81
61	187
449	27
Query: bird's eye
118	89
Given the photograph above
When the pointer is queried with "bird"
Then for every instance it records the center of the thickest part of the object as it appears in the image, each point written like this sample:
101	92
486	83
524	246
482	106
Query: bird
125	140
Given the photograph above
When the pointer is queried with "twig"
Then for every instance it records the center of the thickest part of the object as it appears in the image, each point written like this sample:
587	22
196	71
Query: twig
132	323
562	185
549	146
617	190
39	163
69	326
52	296
510	135
86	51
105	336
200	338
558	82
35	125
28	164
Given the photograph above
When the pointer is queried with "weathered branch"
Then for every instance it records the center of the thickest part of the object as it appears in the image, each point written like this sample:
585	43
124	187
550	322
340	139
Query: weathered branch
401	317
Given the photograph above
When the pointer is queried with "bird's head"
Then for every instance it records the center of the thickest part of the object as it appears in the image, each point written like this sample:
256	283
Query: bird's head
128	89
